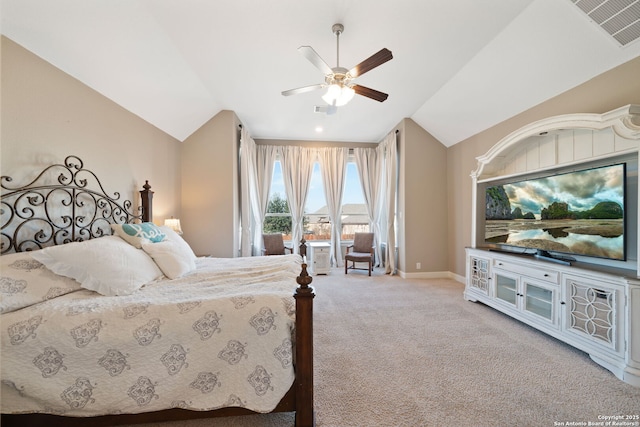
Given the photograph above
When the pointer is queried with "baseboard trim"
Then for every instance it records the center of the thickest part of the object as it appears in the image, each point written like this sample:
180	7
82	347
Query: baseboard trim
458	278
432	275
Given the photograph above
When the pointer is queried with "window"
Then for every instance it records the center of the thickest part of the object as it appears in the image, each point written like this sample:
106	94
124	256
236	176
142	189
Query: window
278	216
316	222
316	213
353	209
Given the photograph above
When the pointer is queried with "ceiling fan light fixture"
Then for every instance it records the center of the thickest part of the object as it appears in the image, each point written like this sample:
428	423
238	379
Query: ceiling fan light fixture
339	80
338	95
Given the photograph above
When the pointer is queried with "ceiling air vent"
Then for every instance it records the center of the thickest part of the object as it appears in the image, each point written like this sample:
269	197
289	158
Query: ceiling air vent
619	18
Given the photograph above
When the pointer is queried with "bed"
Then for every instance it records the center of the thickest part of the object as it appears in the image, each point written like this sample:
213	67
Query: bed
106	315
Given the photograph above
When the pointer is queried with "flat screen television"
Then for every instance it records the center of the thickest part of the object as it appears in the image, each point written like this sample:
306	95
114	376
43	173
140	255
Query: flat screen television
581	212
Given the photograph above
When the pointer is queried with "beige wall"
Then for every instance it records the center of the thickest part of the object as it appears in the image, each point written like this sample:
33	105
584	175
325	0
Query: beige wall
209	179
613	89
422	202
47	115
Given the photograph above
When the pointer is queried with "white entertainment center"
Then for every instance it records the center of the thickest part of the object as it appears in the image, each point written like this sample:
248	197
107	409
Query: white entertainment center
591	304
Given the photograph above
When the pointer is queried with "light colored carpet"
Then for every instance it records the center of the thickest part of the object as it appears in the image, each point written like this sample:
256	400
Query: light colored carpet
412	352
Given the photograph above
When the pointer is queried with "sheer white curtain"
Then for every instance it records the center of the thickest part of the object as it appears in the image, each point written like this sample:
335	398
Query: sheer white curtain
297	166
333	164
388	148
265	157
247	184
370	179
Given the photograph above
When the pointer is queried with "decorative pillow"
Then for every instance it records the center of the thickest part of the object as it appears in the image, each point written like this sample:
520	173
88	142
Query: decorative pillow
136	234
172	261
108	265
181	244
25	281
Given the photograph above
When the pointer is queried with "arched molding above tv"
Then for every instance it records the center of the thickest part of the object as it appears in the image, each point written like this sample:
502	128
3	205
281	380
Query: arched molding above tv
561	144
611	133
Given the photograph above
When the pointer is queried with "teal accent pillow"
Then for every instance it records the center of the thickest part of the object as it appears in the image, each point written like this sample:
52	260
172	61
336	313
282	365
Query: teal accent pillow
137	234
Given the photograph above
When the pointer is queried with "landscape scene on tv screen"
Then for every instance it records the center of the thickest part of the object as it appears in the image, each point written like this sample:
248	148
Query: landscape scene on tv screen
579	213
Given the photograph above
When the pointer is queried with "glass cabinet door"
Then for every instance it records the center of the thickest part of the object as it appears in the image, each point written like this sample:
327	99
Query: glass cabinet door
506	288
538	300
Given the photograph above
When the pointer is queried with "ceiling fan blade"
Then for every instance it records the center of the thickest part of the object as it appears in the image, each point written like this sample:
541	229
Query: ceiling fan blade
315	59
371	62
303	89
370	93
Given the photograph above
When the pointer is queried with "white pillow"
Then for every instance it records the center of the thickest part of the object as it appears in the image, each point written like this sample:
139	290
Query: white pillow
182	245
107	265
172	261
136	234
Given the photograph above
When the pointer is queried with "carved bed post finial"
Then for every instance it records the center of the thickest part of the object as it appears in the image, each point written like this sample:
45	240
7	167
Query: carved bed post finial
303	248
146	196
304	279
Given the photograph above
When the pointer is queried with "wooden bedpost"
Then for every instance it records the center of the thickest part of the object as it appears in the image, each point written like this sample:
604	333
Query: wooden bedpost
146	196
305	416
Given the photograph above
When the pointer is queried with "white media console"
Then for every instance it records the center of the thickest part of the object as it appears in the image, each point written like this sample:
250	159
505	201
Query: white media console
593	306
595	311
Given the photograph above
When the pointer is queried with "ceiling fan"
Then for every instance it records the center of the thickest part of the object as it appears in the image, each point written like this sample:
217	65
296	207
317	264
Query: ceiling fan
339	80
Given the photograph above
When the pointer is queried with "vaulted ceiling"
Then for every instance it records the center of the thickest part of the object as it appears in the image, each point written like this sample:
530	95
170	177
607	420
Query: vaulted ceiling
458	67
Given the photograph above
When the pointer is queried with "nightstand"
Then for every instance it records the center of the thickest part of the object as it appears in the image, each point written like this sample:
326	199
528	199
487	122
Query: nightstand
320	257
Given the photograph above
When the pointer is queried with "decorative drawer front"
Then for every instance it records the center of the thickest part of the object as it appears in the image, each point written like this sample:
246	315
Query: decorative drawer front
594	311
529	271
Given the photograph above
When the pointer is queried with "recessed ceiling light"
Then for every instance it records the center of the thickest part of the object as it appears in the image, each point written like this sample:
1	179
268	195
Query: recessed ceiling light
319	129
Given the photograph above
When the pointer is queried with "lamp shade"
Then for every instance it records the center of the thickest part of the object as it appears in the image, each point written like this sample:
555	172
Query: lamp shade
174	224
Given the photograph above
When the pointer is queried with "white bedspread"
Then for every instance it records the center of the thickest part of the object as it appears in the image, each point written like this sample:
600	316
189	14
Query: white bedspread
219	337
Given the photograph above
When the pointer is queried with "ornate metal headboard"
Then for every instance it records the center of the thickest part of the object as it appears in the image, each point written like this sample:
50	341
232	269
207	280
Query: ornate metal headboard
64	203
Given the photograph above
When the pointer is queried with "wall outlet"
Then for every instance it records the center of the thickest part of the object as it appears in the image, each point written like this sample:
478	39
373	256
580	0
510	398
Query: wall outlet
418	266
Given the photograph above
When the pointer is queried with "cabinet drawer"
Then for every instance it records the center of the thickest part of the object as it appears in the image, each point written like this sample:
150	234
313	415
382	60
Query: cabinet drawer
524	270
